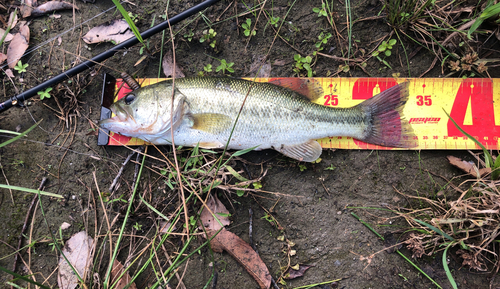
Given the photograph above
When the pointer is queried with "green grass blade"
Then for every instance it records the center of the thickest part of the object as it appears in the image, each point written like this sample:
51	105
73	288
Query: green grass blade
23	278
487	156
447	269
20	135
130	22
487	13
30	191
435	229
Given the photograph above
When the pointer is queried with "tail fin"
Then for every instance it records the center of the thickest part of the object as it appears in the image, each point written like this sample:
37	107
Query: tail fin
388	126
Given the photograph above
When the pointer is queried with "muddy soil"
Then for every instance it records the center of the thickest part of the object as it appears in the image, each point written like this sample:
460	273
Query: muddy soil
315	201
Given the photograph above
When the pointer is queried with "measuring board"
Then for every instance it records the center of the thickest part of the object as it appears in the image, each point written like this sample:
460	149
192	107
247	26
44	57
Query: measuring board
473	103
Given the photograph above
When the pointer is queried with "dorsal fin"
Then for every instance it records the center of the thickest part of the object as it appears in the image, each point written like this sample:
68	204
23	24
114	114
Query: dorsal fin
308	87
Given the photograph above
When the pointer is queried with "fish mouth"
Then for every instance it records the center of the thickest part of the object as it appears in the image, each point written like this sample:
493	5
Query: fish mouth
121	115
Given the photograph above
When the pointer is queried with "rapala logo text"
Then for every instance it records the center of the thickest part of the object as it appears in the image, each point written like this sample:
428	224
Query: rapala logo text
421	120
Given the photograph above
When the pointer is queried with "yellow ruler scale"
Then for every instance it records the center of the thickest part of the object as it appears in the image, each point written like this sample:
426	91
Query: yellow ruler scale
473	103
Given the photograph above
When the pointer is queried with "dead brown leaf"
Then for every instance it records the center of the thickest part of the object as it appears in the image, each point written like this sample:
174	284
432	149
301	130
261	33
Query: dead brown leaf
8	37
168	67
27	7
78	251
244	254
116	30
220	211
296	271
52	6
116	272
2	57
13	19
9	73
229	242
18	46
468	167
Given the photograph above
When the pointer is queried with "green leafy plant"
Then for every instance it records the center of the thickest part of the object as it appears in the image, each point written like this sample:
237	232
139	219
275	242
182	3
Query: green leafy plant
321	11
274	21
45	94
20	67
208	36
303	63
225	66
386	48
323	39
247	26
137	226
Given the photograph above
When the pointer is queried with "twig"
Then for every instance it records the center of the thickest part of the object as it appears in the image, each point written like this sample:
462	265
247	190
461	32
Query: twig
137	165
7	181
113	184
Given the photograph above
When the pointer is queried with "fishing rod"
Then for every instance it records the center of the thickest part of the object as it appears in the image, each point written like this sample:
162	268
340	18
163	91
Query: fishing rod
103	56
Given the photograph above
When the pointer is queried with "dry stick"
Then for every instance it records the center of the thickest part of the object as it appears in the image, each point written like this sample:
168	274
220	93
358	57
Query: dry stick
113	184
25	225
186	218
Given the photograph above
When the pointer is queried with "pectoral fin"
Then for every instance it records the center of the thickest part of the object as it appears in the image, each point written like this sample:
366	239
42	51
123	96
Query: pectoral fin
306	152
213	123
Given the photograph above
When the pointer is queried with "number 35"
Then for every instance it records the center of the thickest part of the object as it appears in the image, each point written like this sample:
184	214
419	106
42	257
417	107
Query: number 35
424	100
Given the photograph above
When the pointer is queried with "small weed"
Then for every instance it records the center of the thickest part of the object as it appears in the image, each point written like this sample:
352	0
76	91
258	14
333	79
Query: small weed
330	168
386	48
189	35
59	241
303	63
138	226
274	21
133	17
45	94
323	39
208	68
208	36
302	167
20	67
225	66
247	26
321	11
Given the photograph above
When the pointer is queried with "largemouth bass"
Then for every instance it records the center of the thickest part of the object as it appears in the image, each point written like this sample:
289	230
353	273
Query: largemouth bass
204	110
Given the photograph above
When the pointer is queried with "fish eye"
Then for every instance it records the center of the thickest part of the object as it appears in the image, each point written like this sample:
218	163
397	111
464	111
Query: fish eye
129	98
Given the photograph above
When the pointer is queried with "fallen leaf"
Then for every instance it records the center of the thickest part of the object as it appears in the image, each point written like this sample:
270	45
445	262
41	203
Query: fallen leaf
78	251
18	46
27	7
280	62
65	225
59	41
13	19
116	30
244	254
165	227
116	272
8	37
468	167
208	220
168	67
296	271
55	16
9	73
2	57
52	6
229	242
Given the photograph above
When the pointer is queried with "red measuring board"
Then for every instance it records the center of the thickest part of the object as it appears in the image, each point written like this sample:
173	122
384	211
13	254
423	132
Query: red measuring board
473	103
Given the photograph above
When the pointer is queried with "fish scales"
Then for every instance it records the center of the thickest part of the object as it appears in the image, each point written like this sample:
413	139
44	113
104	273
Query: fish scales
205	110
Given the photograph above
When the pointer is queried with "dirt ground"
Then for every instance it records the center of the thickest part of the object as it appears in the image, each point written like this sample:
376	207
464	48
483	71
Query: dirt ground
312	202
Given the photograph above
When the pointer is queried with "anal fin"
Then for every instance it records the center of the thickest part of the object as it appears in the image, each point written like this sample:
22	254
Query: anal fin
305	152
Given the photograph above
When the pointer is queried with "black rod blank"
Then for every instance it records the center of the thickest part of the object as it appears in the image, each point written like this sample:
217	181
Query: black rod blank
103	56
